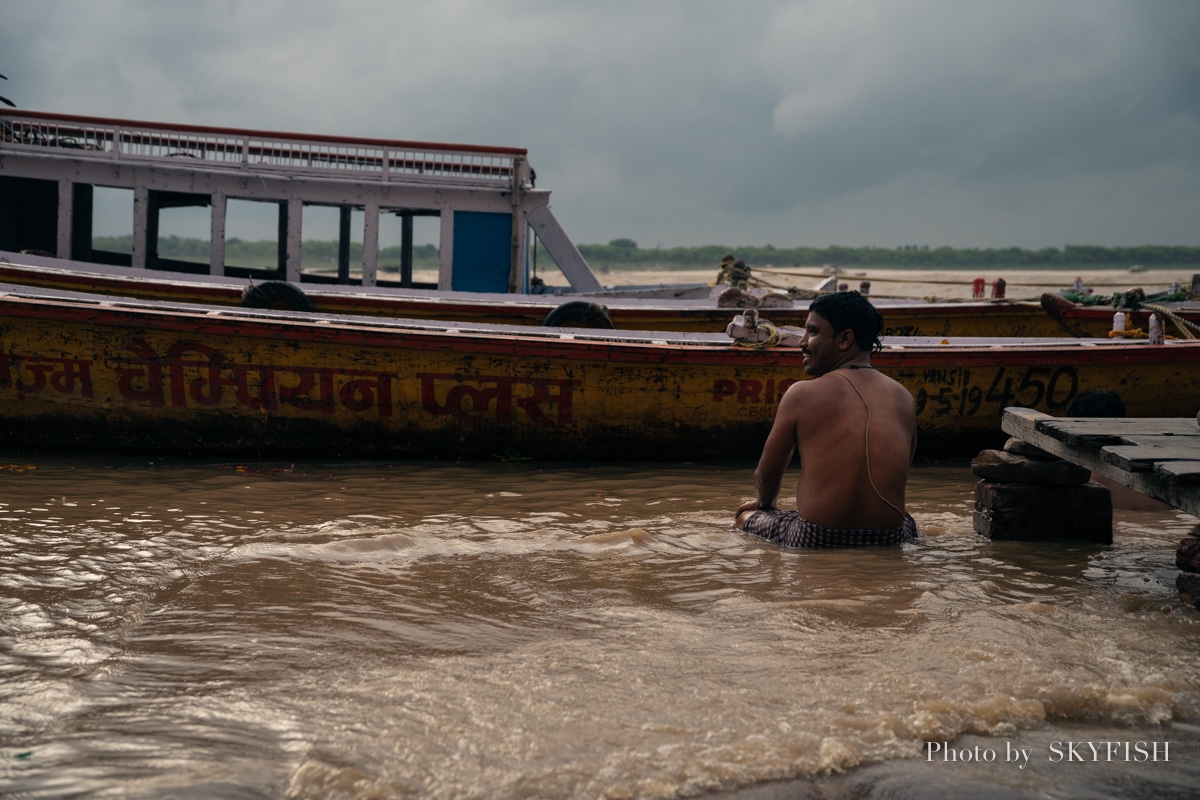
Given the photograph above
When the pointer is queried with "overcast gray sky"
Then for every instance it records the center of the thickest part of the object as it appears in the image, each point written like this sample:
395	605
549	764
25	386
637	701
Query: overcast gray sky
968	123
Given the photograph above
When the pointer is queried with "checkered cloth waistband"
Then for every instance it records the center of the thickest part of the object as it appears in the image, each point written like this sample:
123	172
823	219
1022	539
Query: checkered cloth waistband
790	529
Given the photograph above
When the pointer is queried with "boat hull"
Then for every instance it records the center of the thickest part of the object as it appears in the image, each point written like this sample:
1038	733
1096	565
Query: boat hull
184	380
901	318
1097	321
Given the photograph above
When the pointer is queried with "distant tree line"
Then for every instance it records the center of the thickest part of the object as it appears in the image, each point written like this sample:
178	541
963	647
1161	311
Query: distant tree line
625	254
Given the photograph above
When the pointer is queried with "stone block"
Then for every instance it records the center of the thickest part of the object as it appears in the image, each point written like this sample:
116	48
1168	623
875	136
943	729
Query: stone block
1187	555
1033	512
1020	447
1188	584
997	465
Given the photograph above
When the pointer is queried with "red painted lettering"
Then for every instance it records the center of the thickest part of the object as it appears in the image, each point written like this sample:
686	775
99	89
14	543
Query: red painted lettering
722	389
498	397
750	391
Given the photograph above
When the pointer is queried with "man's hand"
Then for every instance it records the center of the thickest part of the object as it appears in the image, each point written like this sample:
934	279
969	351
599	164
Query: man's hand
745	510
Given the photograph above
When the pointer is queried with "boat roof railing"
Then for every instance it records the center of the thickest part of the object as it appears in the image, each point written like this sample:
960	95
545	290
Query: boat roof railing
370	160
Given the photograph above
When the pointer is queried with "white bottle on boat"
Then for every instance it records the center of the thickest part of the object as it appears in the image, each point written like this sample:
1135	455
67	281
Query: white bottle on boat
1156	330
1119	325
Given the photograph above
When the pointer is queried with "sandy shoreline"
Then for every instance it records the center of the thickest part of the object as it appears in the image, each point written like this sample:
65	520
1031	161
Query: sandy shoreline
903	283
950	284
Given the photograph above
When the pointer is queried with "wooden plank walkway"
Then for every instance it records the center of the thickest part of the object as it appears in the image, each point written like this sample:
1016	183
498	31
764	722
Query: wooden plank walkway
1155	456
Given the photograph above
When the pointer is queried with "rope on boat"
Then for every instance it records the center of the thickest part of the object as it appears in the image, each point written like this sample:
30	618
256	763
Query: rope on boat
748	330
738	275
735	273
773	338
1188	328
1130	299
871	277
1129	333
1136	298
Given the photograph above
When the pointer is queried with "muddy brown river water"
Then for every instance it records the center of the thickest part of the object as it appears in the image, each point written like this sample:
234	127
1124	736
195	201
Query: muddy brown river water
536	630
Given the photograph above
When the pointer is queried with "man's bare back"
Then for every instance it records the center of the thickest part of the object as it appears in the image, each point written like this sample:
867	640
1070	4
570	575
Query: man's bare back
853	461
854	430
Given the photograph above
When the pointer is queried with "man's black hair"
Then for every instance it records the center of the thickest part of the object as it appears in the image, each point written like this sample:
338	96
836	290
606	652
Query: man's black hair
1097	403
851	310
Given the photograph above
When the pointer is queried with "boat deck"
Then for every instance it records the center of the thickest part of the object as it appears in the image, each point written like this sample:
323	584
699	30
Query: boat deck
693	338
388	323
484	197
1159	457
675	296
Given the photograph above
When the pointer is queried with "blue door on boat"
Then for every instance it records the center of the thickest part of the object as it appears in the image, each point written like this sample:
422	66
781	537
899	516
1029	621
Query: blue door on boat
482	251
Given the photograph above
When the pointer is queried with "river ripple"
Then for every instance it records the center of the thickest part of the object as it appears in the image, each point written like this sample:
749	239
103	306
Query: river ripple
504	630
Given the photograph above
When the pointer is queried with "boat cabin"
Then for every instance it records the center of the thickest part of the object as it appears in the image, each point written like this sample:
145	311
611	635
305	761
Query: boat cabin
489	213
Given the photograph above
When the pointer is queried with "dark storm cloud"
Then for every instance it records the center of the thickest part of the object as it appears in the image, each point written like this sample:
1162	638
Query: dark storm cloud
946	121
991	93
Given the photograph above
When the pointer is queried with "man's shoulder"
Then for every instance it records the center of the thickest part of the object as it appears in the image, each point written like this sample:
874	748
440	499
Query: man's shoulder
810	386
890	381
898	387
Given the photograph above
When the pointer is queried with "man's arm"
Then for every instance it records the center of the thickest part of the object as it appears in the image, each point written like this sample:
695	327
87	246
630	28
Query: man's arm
912	453
776	456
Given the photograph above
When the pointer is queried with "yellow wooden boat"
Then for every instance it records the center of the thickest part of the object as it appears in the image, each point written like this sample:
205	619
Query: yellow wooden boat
1178	318
90	371
700	313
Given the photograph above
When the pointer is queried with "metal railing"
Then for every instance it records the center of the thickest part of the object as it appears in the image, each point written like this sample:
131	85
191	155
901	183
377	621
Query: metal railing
358	159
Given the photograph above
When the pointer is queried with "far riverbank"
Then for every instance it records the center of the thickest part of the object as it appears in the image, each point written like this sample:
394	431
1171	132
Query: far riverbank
918	283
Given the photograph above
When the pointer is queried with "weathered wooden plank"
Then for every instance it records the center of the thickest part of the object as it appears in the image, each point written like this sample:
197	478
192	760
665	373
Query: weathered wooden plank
1178	471
1038	429
1130	425
1097	431
1140	458
1077	432
1166	439
1168	426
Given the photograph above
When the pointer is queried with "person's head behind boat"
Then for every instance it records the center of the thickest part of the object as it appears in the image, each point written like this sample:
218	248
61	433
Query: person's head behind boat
1097	403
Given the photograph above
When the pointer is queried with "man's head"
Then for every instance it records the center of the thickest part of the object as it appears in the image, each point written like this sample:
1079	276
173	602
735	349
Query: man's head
1097	403
851	311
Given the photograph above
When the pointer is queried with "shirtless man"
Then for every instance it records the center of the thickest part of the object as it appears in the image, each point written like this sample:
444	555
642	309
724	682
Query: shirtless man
855	431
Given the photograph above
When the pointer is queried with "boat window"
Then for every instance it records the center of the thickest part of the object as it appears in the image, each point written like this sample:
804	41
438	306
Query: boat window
408	247
112	221
184	231
111	240
332	247
255	244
